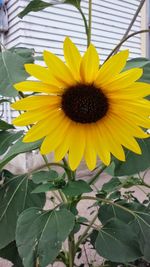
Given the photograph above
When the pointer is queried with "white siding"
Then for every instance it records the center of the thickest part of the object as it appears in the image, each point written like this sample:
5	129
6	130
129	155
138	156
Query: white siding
47	29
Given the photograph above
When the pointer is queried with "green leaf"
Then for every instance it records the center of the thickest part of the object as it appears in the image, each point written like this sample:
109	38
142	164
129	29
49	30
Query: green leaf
34	6
117	242
10	252
15	196
139	221
108	212
44	188
146	70
112	185
131	181
76	188
26	53
143	63
44	176
5	126
12	71
37	5
7	139
44	231
142	227
18	148
75	3
136	63
134	163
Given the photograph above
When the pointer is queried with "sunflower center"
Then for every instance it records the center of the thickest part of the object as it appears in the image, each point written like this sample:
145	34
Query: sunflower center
84	103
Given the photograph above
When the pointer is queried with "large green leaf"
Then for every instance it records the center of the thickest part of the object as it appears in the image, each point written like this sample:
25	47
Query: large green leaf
117	242
5	126
134	163
141	225
34	5
143	63
12	70
10	252
15	196
76	188
107	212
18	148
112	185
7	139
136	215
40	234
136	63
44	176
37	5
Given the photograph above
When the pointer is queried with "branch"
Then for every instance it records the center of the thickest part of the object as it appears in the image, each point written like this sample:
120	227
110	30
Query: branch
123	41
132	21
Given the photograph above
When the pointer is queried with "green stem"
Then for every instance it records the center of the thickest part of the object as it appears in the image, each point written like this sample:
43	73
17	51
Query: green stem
49	164
69	172
96	176
46	161
63	197
108	201
71	247
2	47
145	184
84	20
84	234
90	23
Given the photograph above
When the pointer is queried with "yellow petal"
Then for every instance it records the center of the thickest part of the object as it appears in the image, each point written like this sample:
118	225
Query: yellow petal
58	69
124	134
124	79
134	106
63	148
41	74
111	67
89	65
77	145
33	116
30	86
73	58
136	119
55	137
90	152
130	128
110	140
100	147
44	127
136	90
34	102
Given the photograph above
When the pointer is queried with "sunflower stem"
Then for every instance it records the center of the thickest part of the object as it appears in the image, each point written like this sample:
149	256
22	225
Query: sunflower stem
49	164
96	176
69	172
71	247
90	23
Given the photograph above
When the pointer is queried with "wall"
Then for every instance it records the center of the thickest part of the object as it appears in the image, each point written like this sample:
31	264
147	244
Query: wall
48	28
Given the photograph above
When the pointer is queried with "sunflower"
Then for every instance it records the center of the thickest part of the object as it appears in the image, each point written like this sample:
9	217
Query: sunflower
85	110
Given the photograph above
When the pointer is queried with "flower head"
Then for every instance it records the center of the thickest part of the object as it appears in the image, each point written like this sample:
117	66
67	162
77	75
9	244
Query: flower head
85	109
